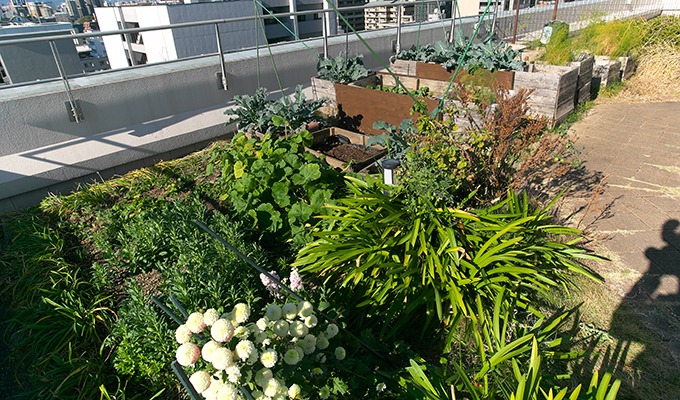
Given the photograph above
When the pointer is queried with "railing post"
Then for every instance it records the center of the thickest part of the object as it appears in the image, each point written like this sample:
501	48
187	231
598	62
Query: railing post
75	109
398	44
220	55
324	31
514	27
453	20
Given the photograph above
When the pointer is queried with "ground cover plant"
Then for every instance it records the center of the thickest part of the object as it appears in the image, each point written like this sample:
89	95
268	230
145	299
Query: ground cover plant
473	272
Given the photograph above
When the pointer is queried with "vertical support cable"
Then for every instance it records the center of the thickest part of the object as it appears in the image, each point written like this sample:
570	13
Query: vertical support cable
72	102
220	55
398	45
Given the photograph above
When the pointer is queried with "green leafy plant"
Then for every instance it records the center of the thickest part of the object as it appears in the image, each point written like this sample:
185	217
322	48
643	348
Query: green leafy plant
275	184
488	55
284	116
342	69
443	263
420	92
394	139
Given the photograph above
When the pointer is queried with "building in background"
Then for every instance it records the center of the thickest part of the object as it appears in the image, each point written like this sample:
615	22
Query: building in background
355	18
172	44
28	62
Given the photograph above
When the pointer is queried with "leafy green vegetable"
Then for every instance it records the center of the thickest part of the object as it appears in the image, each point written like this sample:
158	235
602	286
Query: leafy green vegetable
342	69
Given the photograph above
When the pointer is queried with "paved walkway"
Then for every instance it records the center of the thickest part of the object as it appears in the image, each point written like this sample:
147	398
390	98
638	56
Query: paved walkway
636	149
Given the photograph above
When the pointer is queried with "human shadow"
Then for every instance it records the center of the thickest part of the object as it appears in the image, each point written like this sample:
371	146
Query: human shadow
646	325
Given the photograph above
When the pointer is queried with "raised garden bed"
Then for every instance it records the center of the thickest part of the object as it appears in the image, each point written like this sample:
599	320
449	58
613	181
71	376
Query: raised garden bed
627	67
554	89
345	148
481	77
606	72
585	76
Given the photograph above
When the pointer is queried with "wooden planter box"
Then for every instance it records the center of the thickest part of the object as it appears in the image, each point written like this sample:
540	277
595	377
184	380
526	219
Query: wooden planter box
554	90
627	67
585	77
481	77
359	107
606	72
354	138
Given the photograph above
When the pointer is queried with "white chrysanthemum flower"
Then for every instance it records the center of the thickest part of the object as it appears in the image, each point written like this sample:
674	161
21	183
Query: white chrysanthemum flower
305	309
222	358
262	324
281	328
241	332
200	380
183	334
311	321
294	391
268	358
233	373
300	351
241	313
245	349
209	349
322	341
222	330
308	344
291	357
272	387
340	353
228	392
195	322
380	387
210	316
321	358
298	329
262	376
324	393
187	354
273	312
213	389
289	311
332	330
258	395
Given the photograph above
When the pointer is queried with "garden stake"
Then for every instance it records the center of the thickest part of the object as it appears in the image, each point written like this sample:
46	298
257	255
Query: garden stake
278	282
177	369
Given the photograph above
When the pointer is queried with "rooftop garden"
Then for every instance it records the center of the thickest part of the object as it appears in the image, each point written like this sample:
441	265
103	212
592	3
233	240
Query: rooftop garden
256	269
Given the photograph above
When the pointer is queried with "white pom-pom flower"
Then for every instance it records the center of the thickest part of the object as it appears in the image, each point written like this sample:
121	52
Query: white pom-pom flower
183	334
245	350
305	309
298	329
233	373
222	358
324	393
292	357
209	349
263	376
294	391
200	380
187	354
308	344
273	312
311	321
262	324
289	311
340	353
195	322
210	316
241	332
241	313
332	330
228	392
222	330
272	387
322	341
281	328
268	358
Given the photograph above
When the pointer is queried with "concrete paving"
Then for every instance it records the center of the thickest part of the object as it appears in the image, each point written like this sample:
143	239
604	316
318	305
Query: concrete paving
635	149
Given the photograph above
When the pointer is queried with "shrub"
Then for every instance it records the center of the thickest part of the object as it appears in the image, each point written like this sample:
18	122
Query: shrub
274	184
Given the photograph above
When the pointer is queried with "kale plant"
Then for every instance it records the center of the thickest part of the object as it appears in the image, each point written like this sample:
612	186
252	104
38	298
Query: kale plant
342	69
257	114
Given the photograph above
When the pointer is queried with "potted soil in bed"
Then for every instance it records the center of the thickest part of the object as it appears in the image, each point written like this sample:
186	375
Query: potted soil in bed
345	148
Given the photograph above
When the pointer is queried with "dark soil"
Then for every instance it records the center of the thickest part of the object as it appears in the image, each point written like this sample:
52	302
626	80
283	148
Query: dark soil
337	148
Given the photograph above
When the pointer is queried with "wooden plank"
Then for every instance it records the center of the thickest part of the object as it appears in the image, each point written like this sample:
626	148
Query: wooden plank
627	67
403	67
354	138
322	88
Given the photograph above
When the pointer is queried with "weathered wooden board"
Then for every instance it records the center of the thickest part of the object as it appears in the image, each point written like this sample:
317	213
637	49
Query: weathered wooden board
325	89
606	71
481	77
554	89
359	107
627	67
585	76
437	88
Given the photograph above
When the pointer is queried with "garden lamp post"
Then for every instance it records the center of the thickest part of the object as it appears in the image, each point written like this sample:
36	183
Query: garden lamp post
388	170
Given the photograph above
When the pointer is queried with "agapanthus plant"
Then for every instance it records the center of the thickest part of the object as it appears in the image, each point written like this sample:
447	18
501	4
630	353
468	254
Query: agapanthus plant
284	353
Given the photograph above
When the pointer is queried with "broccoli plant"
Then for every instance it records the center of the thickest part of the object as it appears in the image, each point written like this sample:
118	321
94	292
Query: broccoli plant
342	69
